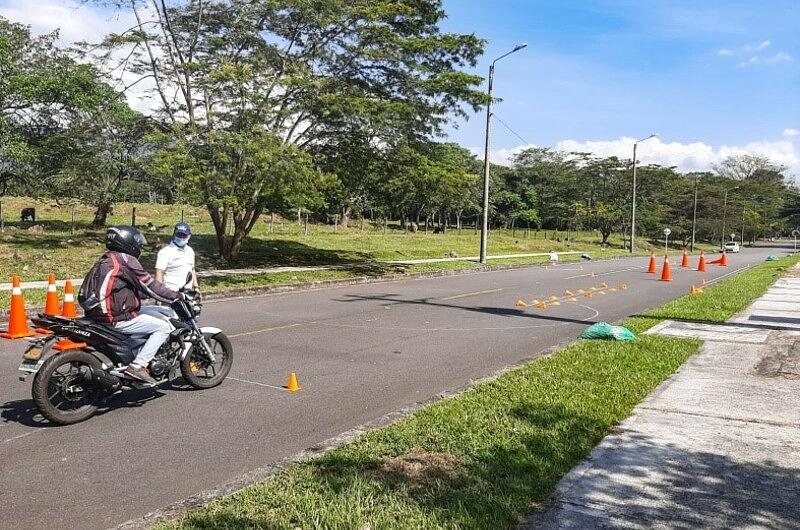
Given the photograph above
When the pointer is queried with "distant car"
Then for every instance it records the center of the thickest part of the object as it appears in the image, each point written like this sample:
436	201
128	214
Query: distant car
732	246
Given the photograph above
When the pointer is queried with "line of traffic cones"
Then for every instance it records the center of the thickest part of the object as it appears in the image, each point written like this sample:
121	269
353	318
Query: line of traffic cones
18	319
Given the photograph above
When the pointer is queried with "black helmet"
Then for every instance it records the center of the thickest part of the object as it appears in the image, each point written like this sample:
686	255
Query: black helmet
125	239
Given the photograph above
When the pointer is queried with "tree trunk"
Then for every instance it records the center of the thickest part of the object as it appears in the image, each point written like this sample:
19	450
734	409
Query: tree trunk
101	214
345	219
458	221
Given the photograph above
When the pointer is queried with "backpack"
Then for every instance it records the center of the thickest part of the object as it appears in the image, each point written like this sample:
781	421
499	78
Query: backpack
89	295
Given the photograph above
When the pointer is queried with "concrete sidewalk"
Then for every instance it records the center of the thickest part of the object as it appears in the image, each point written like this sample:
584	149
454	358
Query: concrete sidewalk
715	446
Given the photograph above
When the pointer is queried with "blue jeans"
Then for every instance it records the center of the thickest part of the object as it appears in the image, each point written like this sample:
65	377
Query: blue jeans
155	329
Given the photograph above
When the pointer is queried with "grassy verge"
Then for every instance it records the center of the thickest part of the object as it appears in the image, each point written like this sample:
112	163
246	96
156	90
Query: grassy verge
487	456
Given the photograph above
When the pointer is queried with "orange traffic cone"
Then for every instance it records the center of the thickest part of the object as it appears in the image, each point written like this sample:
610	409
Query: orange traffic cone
652	267
701	265
292	386
695	290
723	260
666	275
685	260
69	310
51	299
17	319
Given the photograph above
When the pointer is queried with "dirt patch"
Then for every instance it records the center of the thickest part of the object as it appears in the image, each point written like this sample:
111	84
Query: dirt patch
783	362
420	468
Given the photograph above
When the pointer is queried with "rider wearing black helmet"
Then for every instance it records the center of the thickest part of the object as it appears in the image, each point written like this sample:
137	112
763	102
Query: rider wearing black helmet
112	292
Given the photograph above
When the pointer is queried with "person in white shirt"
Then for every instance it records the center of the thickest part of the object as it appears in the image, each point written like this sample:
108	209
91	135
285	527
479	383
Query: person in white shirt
173	265
176	260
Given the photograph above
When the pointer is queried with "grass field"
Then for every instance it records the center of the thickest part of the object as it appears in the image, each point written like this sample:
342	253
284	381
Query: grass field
491	454
33	255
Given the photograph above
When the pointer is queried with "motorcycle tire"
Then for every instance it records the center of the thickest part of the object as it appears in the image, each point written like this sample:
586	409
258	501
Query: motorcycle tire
191	367
44	384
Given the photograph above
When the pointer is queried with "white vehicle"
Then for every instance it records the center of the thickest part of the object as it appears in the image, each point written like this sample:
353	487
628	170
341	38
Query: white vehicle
732	246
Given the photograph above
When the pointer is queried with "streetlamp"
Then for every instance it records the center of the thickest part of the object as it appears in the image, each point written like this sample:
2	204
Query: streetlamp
725	212
485	227
633	202
694	214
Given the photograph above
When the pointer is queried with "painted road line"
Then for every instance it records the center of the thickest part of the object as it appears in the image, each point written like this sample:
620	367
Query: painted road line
476	293
255	383
589	275
265	330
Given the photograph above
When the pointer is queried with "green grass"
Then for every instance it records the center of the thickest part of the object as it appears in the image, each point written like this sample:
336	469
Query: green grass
489	455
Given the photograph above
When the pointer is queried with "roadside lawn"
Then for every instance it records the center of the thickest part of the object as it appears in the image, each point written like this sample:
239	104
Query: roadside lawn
487	456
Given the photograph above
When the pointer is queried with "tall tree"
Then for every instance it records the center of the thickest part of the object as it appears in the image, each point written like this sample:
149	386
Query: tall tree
307	73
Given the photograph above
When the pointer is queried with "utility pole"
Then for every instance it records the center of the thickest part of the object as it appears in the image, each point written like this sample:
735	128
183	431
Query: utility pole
485	213
633	201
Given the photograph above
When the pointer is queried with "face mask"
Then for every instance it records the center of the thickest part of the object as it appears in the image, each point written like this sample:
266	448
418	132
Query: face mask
180	241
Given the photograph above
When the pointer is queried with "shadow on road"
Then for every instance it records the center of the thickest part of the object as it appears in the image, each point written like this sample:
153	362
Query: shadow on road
393	299
24	411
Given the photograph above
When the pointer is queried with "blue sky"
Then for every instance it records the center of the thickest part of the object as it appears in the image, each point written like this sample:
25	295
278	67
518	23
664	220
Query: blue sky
712	77
725	74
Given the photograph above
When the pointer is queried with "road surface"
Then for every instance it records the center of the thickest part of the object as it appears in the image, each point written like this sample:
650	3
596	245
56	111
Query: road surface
359	351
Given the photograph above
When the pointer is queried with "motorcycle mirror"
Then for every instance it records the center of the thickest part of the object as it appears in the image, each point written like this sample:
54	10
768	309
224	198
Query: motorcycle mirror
189	277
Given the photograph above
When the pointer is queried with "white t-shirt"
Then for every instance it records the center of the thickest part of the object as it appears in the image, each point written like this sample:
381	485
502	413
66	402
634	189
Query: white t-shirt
177	263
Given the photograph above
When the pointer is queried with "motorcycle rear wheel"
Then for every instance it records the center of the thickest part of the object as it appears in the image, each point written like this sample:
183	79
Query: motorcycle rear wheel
201	374
59	391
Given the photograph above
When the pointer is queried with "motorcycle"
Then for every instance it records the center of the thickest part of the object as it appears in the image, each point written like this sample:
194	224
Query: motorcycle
82	362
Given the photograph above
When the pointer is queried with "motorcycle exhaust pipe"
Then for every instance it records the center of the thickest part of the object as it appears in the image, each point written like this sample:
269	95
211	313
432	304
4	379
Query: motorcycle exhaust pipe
101	378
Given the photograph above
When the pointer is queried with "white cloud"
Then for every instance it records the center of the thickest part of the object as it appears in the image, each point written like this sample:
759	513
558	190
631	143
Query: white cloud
695	156
778	58
757	47
76	21
724	52
791	132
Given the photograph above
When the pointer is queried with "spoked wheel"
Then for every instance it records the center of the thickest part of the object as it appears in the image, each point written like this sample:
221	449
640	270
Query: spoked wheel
59	391
198	369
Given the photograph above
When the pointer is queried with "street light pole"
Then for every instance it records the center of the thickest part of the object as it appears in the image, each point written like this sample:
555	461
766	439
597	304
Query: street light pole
485	213
633	201
725	213
694	214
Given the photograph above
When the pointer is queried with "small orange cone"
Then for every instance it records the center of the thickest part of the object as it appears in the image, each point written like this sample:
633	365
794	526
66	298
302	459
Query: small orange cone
623	287
695	290
554	300
666	275
541	305
51	299
292	386
17	319
50	302
69	310
685	260
652	268
723	260
701	265
521	303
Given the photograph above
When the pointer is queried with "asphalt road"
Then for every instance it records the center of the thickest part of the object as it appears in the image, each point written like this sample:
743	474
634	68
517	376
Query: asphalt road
359	352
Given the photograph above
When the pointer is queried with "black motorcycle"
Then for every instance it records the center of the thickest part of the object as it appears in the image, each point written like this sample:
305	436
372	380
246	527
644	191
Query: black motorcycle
82	362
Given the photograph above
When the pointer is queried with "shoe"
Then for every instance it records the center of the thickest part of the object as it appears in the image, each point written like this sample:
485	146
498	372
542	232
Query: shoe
140	374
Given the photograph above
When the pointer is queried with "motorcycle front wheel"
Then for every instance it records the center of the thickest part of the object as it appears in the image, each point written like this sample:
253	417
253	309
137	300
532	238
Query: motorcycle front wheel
59	391
199	371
